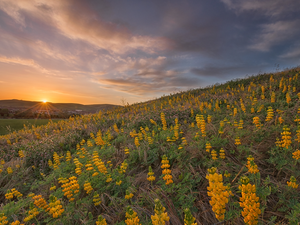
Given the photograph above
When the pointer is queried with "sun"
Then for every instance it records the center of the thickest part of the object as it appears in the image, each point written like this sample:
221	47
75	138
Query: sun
45	101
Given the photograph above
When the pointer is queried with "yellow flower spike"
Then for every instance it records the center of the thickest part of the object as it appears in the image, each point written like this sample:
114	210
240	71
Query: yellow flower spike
244	180
9	170
218	192
40	202
237	141
123	167
131	217
136	142
252	167
270	114
167	172
286	137
108	179
296	154
150	175
256	122
222	153
68	157
96	199
226	174
52	188
208	146
241	123
153	122
56	161
128	195
234	111
209	119
87	187
33	212
101	221
55	207
9	195
212	170
288	98
160	216
188	218
214	155
280	120
116	128
70	187
293	182
249	202
163	120
21	154
273	97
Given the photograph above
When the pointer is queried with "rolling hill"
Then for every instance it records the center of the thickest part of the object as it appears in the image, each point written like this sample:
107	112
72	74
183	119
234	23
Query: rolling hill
21	104
225	154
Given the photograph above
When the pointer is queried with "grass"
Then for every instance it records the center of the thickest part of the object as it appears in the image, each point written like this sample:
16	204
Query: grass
11	125
99	164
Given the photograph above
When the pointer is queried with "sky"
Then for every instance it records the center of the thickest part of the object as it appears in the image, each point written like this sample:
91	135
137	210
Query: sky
115	51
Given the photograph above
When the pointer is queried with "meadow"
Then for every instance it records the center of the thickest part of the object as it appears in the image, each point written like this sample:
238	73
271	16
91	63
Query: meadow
11	125
225	154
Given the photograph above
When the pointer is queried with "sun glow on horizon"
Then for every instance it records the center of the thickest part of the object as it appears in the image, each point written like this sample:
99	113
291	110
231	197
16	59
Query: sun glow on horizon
44	101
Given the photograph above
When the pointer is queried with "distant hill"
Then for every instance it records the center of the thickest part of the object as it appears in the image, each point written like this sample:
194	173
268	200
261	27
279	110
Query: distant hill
23	105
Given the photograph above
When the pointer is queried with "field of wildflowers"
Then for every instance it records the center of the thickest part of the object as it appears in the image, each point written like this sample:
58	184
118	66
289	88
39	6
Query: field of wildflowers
226	154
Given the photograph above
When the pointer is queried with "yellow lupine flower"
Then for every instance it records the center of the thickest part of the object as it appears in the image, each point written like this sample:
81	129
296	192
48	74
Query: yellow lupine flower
150	175
167	172
160	216
87	187
101	221
131	217
292	183
218	192
296	154
252	167
128	195
249	202
119	182
9	170
188	218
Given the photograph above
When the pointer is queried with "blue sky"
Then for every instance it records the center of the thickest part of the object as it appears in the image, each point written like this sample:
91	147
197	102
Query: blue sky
107	51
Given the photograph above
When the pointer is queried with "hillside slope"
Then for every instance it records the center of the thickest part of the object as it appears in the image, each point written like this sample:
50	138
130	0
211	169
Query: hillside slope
224	154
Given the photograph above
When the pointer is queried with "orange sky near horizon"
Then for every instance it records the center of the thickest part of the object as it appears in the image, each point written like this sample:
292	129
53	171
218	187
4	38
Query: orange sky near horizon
32	85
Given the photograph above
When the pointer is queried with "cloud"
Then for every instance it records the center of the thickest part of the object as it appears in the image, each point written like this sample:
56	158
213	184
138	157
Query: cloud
67	94
272	8
274	34
145	76
189	34
293	52
138	86
225	72
100	73
215	71
131	65
89	27
33	64
23	62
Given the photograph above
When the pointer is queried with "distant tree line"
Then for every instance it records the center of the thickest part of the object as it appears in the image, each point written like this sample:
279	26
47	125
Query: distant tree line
28	114
4	113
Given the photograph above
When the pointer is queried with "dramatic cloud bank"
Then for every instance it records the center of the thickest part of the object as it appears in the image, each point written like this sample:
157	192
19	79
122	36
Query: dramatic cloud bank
103	51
